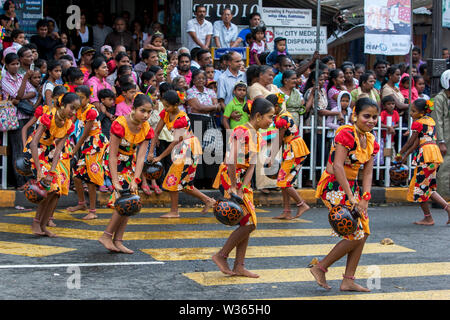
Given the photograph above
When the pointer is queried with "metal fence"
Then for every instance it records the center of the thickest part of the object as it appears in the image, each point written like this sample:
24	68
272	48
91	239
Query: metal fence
381	163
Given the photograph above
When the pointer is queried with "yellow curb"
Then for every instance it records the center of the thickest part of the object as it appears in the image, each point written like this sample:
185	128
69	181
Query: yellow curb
7	198
396	195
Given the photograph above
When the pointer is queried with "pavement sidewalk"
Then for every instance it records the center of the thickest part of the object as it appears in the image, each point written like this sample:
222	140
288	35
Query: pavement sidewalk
380	195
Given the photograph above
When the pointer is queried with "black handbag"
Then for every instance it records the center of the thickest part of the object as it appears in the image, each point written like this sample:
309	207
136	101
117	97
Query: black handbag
25	107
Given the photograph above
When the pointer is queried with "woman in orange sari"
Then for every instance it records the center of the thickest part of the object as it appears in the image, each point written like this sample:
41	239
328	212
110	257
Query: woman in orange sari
353	147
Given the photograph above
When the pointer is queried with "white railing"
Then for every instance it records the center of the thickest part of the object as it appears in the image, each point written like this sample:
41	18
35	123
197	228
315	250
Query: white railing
321	154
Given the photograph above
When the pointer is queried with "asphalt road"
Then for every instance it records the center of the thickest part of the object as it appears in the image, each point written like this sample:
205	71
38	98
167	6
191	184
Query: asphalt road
171	259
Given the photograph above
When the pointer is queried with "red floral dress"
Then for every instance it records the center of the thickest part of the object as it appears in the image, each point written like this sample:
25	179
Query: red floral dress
329	189
90	164
126	156
46	151
294	150
427	159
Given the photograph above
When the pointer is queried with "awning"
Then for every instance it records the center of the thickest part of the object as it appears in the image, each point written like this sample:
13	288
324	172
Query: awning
343	37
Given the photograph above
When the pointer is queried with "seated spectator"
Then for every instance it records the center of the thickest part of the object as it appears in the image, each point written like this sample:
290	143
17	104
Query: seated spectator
283	63
241	41
183	69
122	59
149	58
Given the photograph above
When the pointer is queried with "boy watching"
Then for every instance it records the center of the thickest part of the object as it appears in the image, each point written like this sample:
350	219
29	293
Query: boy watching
107	99
234	114
18	37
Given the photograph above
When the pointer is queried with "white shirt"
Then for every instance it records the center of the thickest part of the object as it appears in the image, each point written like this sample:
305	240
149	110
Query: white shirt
226	35
201	30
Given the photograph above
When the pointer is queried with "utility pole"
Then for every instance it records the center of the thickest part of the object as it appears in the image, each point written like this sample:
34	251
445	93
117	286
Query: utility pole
436	65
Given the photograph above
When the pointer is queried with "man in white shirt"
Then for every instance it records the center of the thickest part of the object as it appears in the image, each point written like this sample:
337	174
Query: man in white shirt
199	30
225	32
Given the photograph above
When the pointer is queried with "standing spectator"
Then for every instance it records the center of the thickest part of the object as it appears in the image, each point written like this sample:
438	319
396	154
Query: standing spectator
200	31
87	55
335	86
259	46
83	37
202	102
255	20
366	83
26	60
441	115
417	58
120	36
380	68
149	58
100	32
225	32
139	36
330	61
204	58
64	38
283	63
183	69
360	69
228	79
97	82
420	87
390	89
9	21
350	82
43	41
293	97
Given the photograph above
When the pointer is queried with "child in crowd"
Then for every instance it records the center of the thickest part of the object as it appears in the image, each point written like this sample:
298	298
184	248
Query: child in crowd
427	159
236	106
344	100
75	78
280	49
210	73
92	145
128	92
259	46
404	88
388	107
148	80
18	37
54	73
420	85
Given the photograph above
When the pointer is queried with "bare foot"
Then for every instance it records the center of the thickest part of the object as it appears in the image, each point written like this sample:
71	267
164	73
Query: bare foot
221	262
319	275
79	207
170	215
350	285
119	245
47	233
286	215
209	205
90	216
240	271
50	223
301	210
36	228
427	221
107	242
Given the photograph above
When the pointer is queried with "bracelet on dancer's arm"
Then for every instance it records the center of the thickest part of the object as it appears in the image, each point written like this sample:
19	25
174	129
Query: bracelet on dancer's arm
367	196
137	180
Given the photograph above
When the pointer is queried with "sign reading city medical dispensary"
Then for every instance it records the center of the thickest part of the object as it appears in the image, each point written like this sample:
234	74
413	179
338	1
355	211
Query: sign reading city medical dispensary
299	41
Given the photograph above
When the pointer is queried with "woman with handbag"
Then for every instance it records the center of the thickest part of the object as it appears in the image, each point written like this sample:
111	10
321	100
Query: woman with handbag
202	104
17	89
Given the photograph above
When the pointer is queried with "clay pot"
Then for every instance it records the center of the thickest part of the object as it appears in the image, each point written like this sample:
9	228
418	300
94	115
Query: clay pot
129	204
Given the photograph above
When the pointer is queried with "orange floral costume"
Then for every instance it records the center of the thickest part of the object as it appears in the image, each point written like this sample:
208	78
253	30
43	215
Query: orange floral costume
249	145
90	164
126	157
294	150
185	155
329	189
427	160
46	151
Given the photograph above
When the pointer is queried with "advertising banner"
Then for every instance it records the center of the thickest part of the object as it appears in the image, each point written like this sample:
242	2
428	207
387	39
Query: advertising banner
387	27
287	17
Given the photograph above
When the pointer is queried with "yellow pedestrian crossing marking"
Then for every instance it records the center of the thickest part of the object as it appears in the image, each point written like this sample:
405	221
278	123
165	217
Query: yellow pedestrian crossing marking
166	235
408	295
216	278
152	221
180	254
30	250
